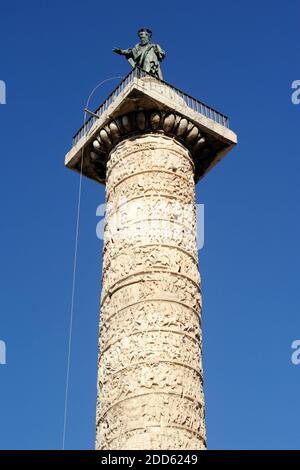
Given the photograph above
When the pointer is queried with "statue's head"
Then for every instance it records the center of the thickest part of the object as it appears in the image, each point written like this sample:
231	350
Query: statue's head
144	34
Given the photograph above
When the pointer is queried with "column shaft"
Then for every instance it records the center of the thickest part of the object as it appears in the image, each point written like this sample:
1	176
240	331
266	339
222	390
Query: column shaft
150	393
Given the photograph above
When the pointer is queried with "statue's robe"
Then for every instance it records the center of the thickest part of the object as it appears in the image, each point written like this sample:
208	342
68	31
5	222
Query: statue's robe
147	57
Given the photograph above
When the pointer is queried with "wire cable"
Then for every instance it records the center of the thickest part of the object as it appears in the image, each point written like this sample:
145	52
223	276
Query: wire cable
75	268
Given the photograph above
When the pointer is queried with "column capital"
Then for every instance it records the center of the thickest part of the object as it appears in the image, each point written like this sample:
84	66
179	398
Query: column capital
142	104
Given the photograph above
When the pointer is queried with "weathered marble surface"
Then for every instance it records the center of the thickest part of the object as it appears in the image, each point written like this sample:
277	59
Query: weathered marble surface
150	393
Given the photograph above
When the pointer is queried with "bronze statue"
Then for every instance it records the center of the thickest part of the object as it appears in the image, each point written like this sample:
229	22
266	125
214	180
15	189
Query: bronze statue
145	55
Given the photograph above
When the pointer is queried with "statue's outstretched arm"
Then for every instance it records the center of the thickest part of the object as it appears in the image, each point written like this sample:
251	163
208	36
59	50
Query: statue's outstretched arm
126	52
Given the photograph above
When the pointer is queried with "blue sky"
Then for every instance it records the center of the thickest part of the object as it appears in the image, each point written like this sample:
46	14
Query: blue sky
240	57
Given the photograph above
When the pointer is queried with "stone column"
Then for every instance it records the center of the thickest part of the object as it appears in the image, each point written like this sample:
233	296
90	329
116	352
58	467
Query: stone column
150	393
150	143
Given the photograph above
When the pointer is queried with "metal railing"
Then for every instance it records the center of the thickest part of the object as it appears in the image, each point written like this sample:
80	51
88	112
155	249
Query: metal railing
191	102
